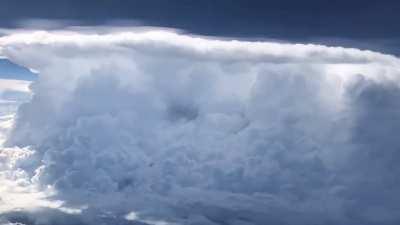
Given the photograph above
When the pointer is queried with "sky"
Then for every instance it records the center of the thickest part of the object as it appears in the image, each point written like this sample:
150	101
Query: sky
199	112
8	70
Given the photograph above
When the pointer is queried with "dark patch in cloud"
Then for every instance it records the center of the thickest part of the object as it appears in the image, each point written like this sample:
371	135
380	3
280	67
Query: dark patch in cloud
373	169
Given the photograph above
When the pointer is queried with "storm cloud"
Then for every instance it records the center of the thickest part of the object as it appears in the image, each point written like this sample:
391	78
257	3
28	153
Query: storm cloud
157	127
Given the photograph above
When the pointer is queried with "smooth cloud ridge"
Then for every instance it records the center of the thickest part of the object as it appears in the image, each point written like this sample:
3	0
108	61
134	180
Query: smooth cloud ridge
156	127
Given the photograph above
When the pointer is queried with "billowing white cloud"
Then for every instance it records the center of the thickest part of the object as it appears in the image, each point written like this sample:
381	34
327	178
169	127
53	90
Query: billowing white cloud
166	128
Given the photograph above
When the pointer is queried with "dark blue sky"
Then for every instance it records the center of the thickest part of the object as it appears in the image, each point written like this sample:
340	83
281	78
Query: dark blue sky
366	24
9	70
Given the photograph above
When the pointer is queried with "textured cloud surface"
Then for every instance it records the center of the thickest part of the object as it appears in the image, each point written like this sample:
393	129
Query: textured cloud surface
154	127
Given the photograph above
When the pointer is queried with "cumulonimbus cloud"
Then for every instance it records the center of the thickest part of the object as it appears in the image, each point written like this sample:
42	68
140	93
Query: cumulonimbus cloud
191	130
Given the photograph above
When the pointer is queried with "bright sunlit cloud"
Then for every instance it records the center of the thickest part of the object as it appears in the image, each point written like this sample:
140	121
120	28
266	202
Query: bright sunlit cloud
157	127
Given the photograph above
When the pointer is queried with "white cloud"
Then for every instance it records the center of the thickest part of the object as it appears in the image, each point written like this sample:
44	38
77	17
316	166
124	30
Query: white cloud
190	130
